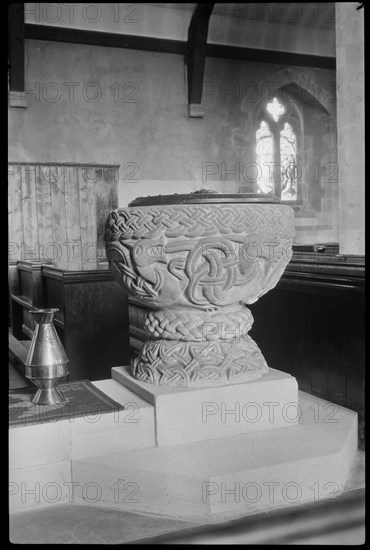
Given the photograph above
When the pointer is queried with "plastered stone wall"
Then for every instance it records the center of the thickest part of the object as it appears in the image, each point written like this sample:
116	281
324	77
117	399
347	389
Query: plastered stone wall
112	106
351	126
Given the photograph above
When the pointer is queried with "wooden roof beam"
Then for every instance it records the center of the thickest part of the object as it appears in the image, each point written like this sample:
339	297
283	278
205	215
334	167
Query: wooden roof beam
196	57
16	55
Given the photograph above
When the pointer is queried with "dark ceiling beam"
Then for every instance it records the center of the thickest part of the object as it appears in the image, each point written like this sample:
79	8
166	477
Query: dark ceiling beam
136	42
196	57
271	56
105	39
16	46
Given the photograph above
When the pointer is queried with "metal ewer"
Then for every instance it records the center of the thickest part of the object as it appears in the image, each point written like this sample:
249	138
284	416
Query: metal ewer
47	362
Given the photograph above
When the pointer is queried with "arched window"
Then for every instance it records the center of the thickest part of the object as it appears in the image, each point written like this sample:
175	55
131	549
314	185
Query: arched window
276	153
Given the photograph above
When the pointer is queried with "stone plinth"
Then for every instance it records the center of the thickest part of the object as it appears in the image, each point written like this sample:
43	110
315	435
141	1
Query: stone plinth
115	463
227	477
192	265
40	454
199	413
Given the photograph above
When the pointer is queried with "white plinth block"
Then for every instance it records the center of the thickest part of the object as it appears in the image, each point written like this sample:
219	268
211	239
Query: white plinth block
198	413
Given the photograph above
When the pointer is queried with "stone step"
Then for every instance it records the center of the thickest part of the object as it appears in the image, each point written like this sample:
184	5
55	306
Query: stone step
230	476
40	454
114	461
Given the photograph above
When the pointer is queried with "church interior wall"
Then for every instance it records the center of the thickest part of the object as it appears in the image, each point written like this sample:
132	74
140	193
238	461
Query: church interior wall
99	105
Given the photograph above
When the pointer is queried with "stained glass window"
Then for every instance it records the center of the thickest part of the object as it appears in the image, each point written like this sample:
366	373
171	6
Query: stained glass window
288	158
281	135
265	158
275	109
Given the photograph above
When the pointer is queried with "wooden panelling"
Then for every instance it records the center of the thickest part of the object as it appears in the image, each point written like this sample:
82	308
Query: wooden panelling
317	313
93	324
57	212
283	335
73	223
27	293
106	194
44	211
87	217
15	213
319	351
28	179
92	321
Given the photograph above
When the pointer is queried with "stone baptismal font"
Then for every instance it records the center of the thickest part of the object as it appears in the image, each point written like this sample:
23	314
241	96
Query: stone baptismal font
192	263
204	430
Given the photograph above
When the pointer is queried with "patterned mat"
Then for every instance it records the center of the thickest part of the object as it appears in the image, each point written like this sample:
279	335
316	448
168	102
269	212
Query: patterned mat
82	399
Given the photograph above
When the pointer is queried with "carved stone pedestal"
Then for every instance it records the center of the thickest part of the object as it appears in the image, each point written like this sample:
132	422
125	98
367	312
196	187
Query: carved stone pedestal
192	268
189	346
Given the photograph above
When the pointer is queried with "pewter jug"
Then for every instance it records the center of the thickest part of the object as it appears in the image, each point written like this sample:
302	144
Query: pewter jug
47	362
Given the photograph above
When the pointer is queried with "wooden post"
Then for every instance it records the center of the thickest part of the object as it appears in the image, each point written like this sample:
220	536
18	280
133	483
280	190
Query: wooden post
196	57
16	46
